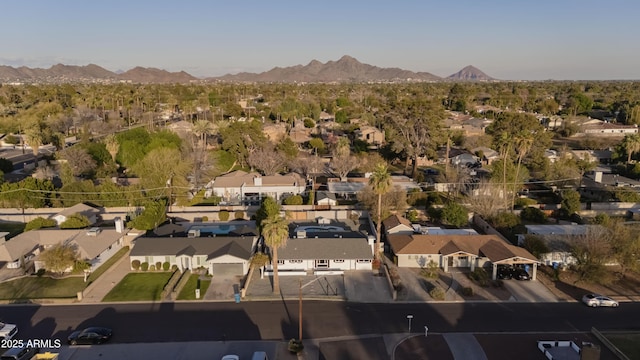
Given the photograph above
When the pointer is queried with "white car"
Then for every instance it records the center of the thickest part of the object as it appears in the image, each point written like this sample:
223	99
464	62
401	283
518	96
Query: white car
595	300
231	357
7	331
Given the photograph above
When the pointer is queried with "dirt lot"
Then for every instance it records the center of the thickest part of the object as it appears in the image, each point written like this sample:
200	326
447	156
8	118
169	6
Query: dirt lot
567	287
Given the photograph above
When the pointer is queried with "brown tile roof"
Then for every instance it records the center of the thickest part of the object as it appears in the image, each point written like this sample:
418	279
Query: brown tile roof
237	178
490	246
395	220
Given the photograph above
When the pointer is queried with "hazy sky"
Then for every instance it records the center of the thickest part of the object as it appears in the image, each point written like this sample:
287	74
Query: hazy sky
507	39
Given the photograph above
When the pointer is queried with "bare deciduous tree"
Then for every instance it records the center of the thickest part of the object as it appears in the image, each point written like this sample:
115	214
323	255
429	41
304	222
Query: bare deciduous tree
486	200
267	160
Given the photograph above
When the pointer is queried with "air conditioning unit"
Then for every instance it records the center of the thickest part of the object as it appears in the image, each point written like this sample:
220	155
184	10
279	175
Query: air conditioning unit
94	231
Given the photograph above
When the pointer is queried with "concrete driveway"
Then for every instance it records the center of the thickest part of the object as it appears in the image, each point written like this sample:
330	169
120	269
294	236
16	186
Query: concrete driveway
529	291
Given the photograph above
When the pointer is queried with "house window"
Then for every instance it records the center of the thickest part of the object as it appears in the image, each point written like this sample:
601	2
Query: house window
338	261
363	261
295	261
167	259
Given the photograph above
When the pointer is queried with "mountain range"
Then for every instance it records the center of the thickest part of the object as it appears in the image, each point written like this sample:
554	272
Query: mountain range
346	69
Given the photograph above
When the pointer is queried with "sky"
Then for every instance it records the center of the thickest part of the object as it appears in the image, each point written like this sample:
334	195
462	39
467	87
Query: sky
506	39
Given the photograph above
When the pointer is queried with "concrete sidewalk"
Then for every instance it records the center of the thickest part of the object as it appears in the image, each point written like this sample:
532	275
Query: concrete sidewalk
100	287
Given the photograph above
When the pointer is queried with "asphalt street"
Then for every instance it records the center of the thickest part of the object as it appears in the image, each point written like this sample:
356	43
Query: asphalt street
214	321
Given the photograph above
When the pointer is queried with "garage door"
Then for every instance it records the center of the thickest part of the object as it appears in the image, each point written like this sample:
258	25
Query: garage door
233	269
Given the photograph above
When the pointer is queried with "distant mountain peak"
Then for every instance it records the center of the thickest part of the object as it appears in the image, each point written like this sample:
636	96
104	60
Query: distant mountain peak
470	73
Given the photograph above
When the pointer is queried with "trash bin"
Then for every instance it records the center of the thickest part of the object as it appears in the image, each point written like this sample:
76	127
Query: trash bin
555	265
237	297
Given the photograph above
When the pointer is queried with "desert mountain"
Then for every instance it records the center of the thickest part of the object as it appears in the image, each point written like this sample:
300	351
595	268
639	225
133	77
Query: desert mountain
345	69
469	73
90	73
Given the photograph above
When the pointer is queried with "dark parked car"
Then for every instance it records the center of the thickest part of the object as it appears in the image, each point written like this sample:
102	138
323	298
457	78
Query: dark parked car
521	274
90	336
505	272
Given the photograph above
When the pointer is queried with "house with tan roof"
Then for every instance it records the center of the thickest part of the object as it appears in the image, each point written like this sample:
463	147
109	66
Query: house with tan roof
89	212
240	186
370	135
396	224
461	251
94	245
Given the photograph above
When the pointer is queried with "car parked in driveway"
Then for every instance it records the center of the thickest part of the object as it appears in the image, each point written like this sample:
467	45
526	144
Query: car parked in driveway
521	274
90	336
595	300
505	272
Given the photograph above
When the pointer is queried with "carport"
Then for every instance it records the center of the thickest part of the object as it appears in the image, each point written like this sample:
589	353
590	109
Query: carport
499	254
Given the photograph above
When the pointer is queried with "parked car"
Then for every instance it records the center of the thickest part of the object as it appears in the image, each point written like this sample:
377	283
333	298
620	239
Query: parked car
595	300
90	336
20	353
7	331
521	274
505	272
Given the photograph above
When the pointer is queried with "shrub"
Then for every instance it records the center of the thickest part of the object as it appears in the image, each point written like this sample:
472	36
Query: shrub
174	267
166	266
75	221
295	346
40	272
152	268
293	200
467	291
239	214
205	218
412	215
39	223
480	276
135	264
524	202
158	265
534	215
437	293
144	266
223	215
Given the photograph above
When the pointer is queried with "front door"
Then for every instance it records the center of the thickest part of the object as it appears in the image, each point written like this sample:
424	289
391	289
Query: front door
322	264
186	263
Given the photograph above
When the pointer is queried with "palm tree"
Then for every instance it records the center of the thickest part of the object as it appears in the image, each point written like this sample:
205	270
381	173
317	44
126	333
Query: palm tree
275	231
202	129
112	145
380	181
631	144
523	143
34	138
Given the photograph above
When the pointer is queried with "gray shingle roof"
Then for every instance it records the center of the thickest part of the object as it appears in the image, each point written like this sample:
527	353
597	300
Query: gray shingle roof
212	247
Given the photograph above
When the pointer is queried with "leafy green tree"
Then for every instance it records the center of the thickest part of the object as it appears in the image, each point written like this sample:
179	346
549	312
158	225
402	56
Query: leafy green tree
455	214
39	223
163	173
30	192
570	202
275	231
269	208
288	148
239	138
380	183
625	246
75	221
60	258
535	245
293	200
317	145
533	214
154	214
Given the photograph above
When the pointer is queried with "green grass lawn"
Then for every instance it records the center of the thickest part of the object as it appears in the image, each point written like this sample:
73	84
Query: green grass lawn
143	286
189	290
33	287
629	344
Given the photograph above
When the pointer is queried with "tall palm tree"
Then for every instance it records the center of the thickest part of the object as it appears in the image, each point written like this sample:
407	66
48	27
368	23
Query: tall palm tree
523	143
631	144
275	231
380	181
112	145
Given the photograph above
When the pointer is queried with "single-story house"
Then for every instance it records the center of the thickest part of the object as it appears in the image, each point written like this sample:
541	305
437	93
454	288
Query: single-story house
89	212
220	255
396	224
325	254
239	186
94	245
486	155
326	198
465	251
557	238
370	135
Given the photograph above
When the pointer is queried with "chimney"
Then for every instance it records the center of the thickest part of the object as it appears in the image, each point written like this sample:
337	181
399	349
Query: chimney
257	181
119	225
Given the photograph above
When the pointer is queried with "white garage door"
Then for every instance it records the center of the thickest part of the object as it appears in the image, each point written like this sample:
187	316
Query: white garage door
233	269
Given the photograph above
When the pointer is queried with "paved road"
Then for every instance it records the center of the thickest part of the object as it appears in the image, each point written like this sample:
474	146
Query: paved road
210	321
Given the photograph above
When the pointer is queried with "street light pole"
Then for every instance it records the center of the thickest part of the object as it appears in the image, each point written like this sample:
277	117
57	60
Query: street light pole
300	310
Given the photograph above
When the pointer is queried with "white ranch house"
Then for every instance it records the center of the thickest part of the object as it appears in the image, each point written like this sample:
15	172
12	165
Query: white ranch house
239	186
219	255
324	254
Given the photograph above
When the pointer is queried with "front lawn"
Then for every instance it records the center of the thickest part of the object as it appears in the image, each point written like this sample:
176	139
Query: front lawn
627	343
189	290
146	286
33	287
